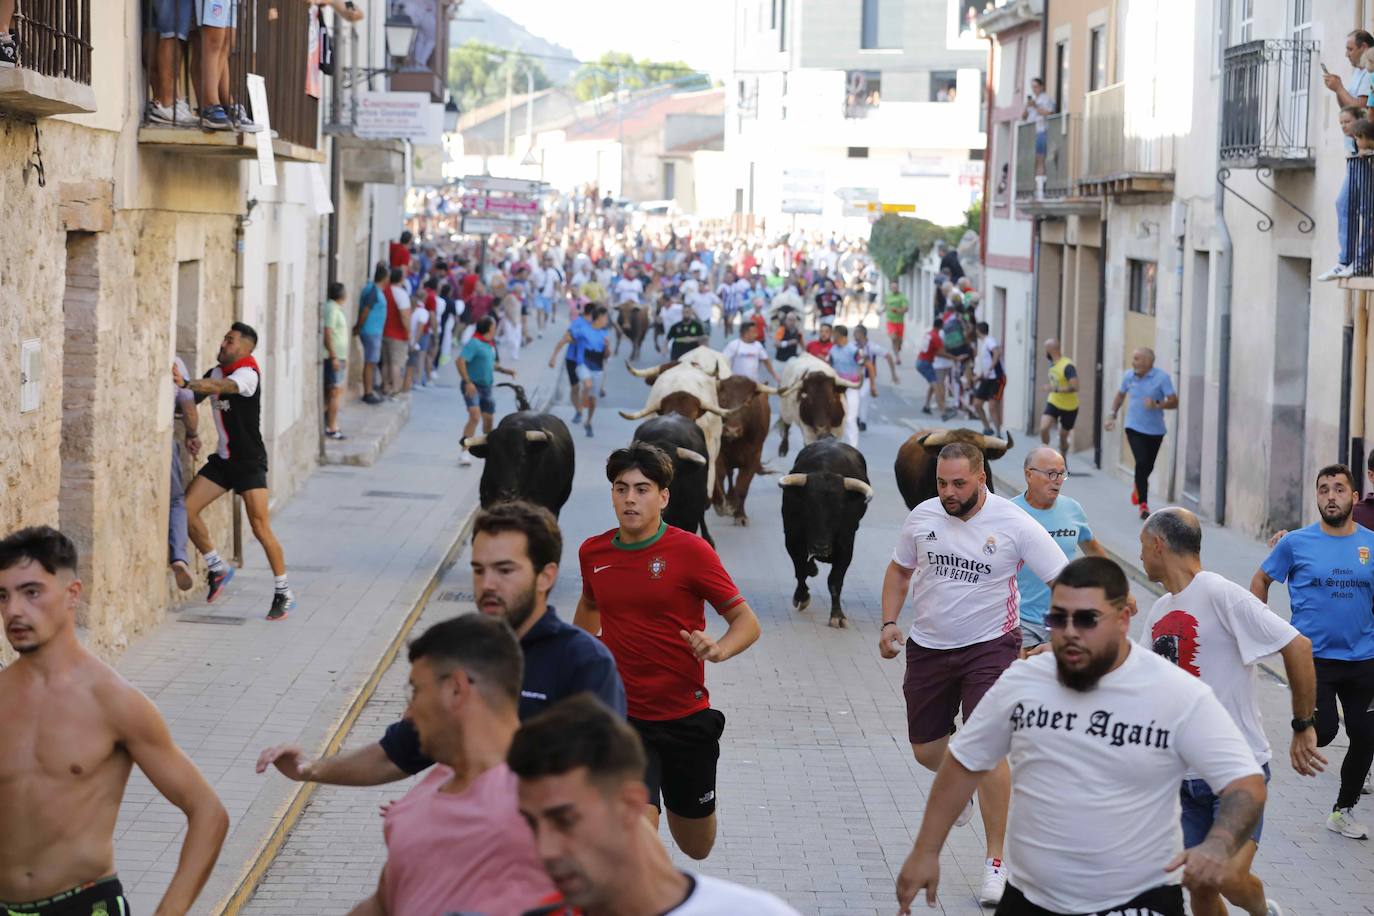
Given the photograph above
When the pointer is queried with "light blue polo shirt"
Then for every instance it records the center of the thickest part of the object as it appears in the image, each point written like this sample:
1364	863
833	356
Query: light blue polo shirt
1067	523
1154	385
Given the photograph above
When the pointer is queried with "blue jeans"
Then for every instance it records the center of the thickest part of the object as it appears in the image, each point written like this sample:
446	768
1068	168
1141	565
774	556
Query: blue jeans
176	514
1200	808
1342	228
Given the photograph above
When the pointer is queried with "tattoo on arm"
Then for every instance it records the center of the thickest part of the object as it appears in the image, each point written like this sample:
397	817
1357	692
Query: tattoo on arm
1235	821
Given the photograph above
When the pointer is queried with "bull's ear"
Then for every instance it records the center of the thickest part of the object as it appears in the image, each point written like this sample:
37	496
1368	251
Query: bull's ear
478	451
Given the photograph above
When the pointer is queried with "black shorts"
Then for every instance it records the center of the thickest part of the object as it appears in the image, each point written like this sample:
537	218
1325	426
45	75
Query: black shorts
98	898
1066	418
239	476
1165	900
571	367
989	389
961	350
682	755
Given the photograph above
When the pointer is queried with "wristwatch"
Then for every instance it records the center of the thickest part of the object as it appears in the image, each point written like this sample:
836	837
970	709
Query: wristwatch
1302	725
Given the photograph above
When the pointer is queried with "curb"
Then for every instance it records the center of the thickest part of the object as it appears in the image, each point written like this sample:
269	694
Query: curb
295	806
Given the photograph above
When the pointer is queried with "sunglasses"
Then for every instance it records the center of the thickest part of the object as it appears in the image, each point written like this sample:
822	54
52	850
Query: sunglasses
1082	620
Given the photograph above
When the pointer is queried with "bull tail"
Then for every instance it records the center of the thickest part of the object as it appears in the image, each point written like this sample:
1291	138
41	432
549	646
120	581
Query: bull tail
521	402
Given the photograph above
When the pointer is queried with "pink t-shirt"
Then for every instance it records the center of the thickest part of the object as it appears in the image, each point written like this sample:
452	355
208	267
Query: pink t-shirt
469	852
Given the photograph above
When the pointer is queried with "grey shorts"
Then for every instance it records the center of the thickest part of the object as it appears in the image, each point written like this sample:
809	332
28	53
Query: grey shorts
1033	634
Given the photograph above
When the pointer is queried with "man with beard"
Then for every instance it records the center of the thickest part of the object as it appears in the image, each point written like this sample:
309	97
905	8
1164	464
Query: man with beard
1330	576
958	554
73	731
581	790
1099	735
516	548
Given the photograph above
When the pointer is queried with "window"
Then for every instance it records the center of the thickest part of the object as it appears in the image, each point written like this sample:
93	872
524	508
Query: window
782	25
863	92
1097	58
858	152
967	26
669	180
1300	20
880	24
1142	290
1243	21
773	14
943	85
1061	65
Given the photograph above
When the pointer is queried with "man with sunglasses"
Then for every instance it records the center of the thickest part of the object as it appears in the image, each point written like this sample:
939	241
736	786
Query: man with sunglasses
1066	522
1099	734
959	554
1218	631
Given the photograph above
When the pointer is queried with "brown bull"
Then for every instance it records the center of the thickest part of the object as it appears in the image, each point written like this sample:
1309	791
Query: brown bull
633	322
742	435
915	465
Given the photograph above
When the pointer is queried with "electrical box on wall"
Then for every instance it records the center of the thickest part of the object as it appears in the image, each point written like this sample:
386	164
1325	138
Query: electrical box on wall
30	375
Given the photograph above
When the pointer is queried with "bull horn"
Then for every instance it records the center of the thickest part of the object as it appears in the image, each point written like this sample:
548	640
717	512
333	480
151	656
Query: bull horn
937	439
686	454
846	383
792	480
536	435
640	414
789	390
718	411
642	373
761	388
472	442
992	442
855	485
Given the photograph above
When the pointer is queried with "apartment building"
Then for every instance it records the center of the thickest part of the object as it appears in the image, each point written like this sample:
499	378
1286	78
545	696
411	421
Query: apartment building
1186	189
834	104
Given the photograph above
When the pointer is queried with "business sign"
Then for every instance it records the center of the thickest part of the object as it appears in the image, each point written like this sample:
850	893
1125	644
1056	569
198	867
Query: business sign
861	194
512	185
500	204
486	225
395	116
802	205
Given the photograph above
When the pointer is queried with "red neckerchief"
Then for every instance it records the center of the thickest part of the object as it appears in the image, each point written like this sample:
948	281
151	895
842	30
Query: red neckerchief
490	341
246	361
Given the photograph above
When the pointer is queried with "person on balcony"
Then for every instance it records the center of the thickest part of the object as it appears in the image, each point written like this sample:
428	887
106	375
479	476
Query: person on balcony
9	46
1352	92
1039	106
171	20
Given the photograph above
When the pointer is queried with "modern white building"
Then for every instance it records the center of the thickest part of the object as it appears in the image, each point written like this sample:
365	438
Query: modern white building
833	104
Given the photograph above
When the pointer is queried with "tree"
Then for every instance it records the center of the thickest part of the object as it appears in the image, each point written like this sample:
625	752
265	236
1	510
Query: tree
599	77
477	73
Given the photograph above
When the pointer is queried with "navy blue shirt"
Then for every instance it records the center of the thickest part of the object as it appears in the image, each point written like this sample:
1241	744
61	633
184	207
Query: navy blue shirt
560	660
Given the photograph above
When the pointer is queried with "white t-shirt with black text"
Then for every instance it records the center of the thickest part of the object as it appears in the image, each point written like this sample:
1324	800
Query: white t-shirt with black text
1216	630
1095	811
714	897
627	290
964	589
745	357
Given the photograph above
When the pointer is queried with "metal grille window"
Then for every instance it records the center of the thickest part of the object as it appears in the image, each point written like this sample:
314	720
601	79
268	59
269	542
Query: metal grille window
1266	97
55	38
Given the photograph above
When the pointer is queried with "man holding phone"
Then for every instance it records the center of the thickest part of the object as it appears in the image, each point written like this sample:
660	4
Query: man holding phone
1039	106
1354	90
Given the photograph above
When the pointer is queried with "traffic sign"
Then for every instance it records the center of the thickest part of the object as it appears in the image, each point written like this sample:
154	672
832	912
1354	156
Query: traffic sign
512	185
486	225
874	207
802	205
857	194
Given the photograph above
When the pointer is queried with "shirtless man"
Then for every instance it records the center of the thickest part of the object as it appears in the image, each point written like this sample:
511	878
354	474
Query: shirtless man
73	730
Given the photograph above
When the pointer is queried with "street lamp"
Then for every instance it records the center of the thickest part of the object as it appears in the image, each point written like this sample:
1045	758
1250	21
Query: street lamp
451	114
400	33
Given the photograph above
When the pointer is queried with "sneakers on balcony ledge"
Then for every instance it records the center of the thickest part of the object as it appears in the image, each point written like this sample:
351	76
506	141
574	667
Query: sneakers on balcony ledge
239	115
213	117
1340	271
9	51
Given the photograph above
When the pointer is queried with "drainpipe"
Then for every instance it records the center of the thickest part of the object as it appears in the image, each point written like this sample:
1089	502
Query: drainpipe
1224	265
989	157
1178	334
1101	333
1347	371
1032	406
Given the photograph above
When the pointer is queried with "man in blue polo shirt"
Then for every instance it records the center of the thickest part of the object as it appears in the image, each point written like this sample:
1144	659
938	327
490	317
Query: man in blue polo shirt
1067	523
1329	570
1151	392
516	548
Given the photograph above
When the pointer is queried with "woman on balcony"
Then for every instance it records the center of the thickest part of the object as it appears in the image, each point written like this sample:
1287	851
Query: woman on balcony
1351	93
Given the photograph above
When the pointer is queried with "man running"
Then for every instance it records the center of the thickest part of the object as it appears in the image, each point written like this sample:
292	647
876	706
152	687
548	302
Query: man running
581	789
1151	393
933	364
686	335
848	362
478	363
1218	631
1061	404
895	307
989	381
73	730
746	354
516	551
644	585
872	354
1330	576
239	463
1066	522
1108	731
963	549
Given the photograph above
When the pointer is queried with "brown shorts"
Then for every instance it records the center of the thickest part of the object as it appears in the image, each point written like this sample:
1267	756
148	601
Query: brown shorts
939	681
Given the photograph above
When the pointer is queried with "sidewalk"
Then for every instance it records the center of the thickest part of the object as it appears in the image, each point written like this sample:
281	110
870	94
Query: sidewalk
364	547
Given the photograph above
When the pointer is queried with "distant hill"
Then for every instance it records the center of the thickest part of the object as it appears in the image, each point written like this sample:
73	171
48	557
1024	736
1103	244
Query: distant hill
500	30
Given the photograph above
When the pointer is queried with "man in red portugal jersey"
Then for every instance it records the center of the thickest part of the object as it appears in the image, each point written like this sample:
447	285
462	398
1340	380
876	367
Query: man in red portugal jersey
644	590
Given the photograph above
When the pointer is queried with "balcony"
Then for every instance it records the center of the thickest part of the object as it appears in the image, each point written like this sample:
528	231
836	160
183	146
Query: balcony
1266	101
271	42
1359	222
1123	151
1054	187
54	72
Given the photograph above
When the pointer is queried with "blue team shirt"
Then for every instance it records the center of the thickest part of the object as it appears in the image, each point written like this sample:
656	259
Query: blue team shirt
1330	587
1155	385
376	316
1067	523
481	359
847	361
575	344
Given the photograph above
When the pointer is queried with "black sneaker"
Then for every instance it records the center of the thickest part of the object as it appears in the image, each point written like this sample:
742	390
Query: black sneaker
863	427
9	52
217	581
281	603
372	398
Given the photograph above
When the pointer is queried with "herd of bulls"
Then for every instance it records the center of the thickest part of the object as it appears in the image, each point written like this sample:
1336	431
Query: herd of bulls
713	425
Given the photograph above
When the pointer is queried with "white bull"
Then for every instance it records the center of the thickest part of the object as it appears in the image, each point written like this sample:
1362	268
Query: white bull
811	397
712	362
687	390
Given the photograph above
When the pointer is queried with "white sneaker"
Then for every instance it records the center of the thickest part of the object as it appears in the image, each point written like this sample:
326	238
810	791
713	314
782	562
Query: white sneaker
1342	821
1337	272
1272	909
184	114
1368	789
994	882
464	459
160	114
966	816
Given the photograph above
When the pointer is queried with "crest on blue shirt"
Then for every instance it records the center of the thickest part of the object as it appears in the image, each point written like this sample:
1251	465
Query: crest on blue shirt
1364	556
657	565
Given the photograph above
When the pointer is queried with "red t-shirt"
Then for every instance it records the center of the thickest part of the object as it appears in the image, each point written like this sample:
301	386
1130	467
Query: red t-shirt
647	594
399	255
932	346
394	328
468	286
820	348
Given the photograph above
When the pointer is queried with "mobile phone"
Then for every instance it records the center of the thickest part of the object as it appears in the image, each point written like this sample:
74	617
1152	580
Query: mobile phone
1324	70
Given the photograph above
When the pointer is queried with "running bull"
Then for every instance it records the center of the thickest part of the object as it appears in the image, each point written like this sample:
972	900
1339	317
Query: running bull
811	396
688	391
823	498
528	456
742	435
916	459
685	444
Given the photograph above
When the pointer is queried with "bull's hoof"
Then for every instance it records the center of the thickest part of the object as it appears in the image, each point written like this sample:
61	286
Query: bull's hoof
721	509
802	603
838	622
742	520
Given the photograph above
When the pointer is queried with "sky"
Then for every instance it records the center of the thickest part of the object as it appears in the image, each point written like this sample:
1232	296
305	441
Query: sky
698	32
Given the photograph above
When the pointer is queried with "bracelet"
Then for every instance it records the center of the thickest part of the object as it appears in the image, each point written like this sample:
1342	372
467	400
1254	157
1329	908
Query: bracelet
888	623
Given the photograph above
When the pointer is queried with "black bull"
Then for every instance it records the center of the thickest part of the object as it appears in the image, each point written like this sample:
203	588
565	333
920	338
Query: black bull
916	459
685	444
527	456
823	498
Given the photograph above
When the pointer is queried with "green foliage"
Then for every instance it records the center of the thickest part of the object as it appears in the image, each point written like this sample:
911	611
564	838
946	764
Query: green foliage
598	78
896	242
477	73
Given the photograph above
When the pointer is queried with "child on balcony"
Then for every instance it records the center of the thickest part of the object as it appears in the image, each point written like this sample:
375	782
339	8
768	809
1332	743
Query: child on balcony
9	48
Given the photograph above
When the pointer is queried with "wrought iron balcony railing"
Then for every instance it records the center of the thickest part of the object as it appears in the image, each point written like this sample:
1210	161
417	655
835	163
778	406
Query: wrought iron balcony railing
1266	101
1359	215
